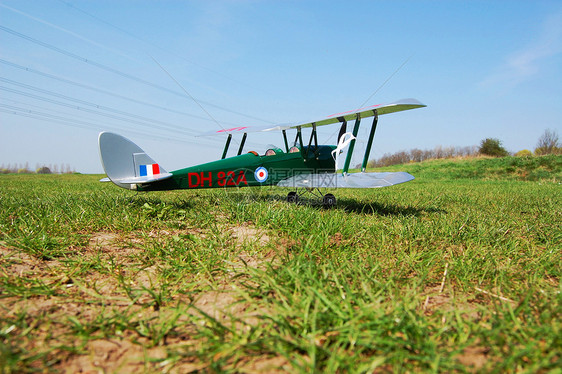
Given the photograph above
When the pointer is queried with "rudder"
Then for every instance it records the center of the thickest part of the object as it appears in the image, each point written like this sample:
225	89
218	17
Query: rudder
126	164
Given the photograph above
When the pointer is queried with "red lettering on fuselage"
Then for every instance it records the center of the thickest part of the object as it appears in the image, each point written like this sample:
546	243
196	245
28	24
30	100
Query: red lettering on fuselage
230	176
221	175
190	178
204	179
241	178
208	178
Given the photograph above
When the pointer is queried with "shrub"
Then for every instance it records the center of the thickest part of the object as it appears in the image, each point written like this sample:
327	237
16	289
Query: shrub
492	147
524	153
43	170
548	143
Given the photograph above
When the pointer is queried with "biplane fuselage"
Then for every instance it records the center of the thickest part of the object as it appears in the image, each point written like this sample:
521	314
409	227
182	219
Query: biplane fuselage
242	170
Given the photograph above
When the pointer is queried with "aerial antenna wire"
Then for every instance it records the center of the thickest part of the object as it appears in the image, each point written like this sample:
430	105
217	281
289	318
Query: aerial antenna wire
377	90
192	98
386	81
187	93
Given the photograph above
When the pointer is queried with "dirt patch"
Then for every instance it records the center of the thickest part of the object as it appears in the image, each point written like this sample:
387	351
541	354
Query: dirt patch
110	244
15	262
435	299
474	358
113	293
266	365
103	239
146	277
113	356
252	242
438	300
249	235
227	306
219	304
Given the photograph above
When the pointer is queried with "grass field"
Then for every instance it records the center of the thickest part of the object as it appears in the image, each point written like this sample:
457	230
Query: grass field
457	271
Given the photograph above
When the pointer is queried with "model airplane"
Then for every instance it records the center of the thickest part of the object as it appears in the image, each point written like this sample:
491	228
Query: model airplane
306	166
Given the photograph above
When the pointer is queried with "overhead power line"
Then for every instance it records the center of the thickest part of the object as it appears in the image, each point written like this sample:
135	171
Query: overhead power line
72	122
62	29
123	31
118	72
76	107
105	92
97	106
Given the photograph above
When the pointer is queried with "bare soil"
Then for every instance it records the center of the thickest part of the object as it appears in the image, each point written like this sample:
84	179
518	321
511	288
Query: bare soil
60	321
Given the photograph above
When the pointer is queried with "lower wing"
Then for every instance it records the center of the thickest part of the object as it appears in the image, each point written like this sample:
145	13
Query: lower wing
354	180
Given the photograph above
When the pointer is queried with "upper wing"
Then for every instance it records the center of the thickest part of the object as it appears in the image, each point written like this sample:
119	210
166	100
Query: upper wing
397	106
353	180
242	129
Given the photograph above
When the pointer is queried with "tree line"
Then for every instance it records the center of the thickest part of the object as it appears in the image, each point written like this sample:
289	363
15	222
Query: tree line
548	143
39	169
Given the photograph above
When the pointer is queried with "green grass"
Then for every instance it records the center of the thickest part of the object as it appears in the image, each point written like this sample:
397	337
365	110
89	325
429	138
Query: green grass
544	168
457	271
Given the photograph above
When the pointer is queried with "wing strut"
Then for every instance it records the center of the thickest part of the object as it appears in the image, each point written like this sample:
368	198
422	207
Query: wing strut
285	139
299	137
226	146
352	144
242	143
315	137
370	142
343	129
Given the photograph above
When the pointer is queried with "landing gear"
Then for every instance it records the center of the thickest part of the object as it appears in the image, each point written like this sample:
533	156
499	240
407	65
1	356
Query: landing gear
292	197
327	200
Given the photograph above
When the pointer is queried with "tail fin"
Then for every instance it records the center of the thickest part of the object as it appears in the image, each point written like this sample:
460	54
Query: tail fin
126	164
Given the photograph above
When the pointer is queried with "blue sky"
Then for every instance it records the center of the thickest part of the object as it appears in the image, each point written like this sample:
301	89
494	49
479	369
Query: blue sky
70	69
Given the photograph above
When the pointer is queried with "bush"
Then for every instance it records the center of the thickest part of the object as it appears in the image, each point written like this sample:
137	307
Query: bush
524	153
492	147
548	143
43	170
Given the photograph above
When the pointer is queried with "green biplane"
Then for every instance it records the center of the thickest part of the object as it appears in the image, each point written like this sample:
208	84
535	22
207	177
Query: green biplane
305	166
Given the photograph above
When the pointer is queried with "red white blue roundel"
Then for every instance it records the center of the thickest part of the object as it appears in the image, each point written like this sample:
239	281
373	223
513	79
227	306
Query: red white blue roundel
261	174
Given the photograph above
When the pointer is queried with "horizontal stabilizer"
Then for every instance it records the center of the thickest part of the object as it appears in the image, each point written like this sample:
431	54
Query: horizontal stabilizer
138	180
354	180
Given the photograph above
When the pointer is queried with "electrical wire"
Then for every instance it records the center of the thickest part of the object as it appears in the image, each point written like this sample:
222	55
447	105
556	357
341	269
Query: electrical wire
118	72
97	106
105	92
123	31
73	122
79	108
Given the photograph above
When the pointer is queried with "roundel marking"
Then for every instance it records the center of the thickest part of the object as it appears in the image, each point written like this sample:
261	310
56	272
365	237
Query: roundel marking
261	174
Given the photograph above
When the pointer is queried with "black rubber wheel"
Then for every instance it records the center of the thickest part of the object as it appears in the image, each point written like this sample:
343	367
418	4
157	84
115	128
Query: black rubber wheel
329	200
292	197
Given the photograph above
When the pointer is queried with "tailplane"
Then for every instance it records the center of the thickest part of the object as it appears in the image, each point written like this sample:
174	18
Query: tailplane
126	164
